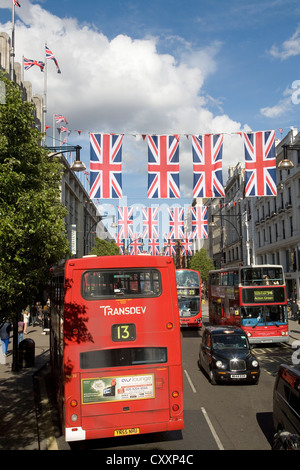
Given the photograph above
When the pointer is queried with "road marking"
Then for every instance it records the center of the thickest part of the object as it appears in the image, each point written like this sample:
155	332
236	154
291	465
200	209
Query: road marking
218	442
190	381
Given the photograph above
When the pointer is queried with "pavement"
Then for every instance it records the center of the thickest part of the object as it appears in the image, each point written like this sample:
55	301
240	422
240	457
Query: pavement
25	408
28	420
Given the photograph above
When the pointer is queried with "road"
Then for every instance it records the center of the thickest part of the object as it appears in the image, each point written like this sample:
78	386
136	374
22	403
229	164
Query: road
220	417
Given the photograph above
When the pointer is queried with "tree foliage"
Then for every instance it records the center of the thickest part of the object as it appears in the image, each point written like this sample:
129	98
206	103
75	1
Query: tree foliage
105	248
32	231
203	263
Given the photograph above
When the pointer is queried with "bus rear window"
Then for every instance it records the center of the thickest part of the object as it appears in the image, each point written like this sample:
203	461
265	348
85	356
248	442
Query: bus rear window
122	357
127	283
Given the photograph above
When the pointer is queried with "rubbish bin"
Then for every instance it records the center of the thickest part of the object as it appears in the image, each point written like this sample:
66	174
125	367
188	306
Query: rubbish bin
27	353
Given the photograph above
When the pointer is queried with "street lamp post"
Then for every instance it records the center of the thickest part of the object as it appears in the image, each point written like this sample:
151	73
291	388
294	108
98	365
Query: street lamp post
77	165
100	217
238	232
287	164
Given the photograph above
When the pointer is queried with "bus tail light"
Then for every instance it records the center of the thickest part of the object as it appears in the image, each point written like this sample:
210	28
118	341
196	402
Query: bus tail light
169	325
73	403
176	399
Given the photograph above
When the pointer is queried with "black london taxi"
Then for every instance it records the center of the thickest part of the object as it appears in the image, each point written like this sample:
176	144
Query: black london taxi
226	356
286	399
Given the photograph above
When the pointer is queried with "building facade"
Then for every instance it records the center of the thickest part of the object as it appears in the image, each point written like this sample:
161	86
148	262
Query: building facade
277	219
83	222
264	230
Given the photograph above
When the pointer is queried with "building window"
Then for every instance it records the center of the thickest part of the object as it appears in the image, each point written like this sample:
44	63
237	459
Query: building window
291	226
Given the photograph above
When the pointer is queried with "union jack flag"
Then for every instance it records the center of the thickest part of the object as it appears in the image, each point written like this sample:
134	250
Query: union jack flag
153	246
135	245
169	246
17	3
106	166
49	55
186	245
176	222
163	167
260	164
207	166
150	222
28	63
119	242
199	222
125	222
60	118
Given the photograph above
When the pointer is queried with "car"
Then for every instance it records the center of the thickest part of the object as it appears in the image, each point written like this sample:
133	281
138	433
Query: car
286	404
226	356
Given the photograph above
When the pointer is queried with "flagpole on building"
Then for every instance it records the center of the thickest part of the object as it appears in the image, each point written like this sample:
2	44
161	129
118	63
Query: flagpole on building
53	131
12	49
22	72
45	98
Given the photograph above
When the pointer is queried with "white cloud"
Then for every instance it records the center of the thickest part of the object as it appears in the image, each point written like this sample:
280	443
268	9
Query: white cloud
281	108
121	85
289	48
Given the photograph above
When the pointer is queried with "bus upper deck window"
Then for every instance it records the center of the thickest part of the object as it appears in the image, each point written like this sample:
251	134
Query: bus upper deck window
127	283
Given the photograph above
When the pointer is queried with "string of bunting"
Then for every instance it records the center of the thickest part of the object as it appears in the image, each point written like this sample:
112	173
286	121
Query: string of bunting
163	165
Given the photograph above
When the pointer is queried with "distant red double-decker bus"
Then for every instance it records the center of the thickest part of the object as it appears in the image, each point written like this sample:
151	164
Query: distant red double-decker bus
115	346
252	297
189	297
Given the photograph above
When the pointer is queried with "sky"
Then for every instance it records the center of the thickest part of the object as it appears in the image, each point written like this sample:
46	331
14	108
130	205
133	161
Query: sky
138	67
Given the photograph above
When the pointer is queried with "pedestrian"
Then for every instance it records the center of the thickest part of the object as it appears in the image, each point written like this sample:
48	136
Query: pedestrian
33	313
20	331
294	310
5	328
26	317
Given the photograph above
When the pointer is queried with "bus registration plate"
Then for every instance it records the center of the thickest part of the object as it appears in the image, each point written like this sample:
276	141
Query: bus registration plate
126	432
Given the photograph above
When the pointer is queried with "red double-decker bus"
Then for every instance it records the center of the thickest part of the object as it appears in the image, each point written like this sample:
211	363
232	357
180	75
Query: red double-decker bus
252	297
115	346
189	297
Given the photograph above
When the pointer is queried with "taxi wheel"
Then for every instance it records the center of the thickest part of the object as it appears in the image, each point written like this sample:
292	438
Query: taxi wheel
212	378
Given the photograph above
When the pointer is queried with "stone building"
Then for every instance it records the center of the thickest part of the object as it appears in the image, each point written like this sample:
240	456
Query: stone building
83	221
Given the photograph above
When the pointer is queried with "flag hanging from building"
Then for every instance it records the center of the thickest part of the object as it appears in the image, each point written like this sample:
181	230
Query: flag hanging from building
49	55
28	63
260	164
125	222
199	222
135	245
169	246
163	166
106	166
150	222
119	242
207	165
176	222
153	246
187	245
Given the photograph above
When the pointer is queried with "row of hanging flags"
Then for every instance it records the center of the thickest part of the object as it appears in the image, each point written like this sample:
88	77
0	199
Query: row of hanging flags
163	165
128	240
136	246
